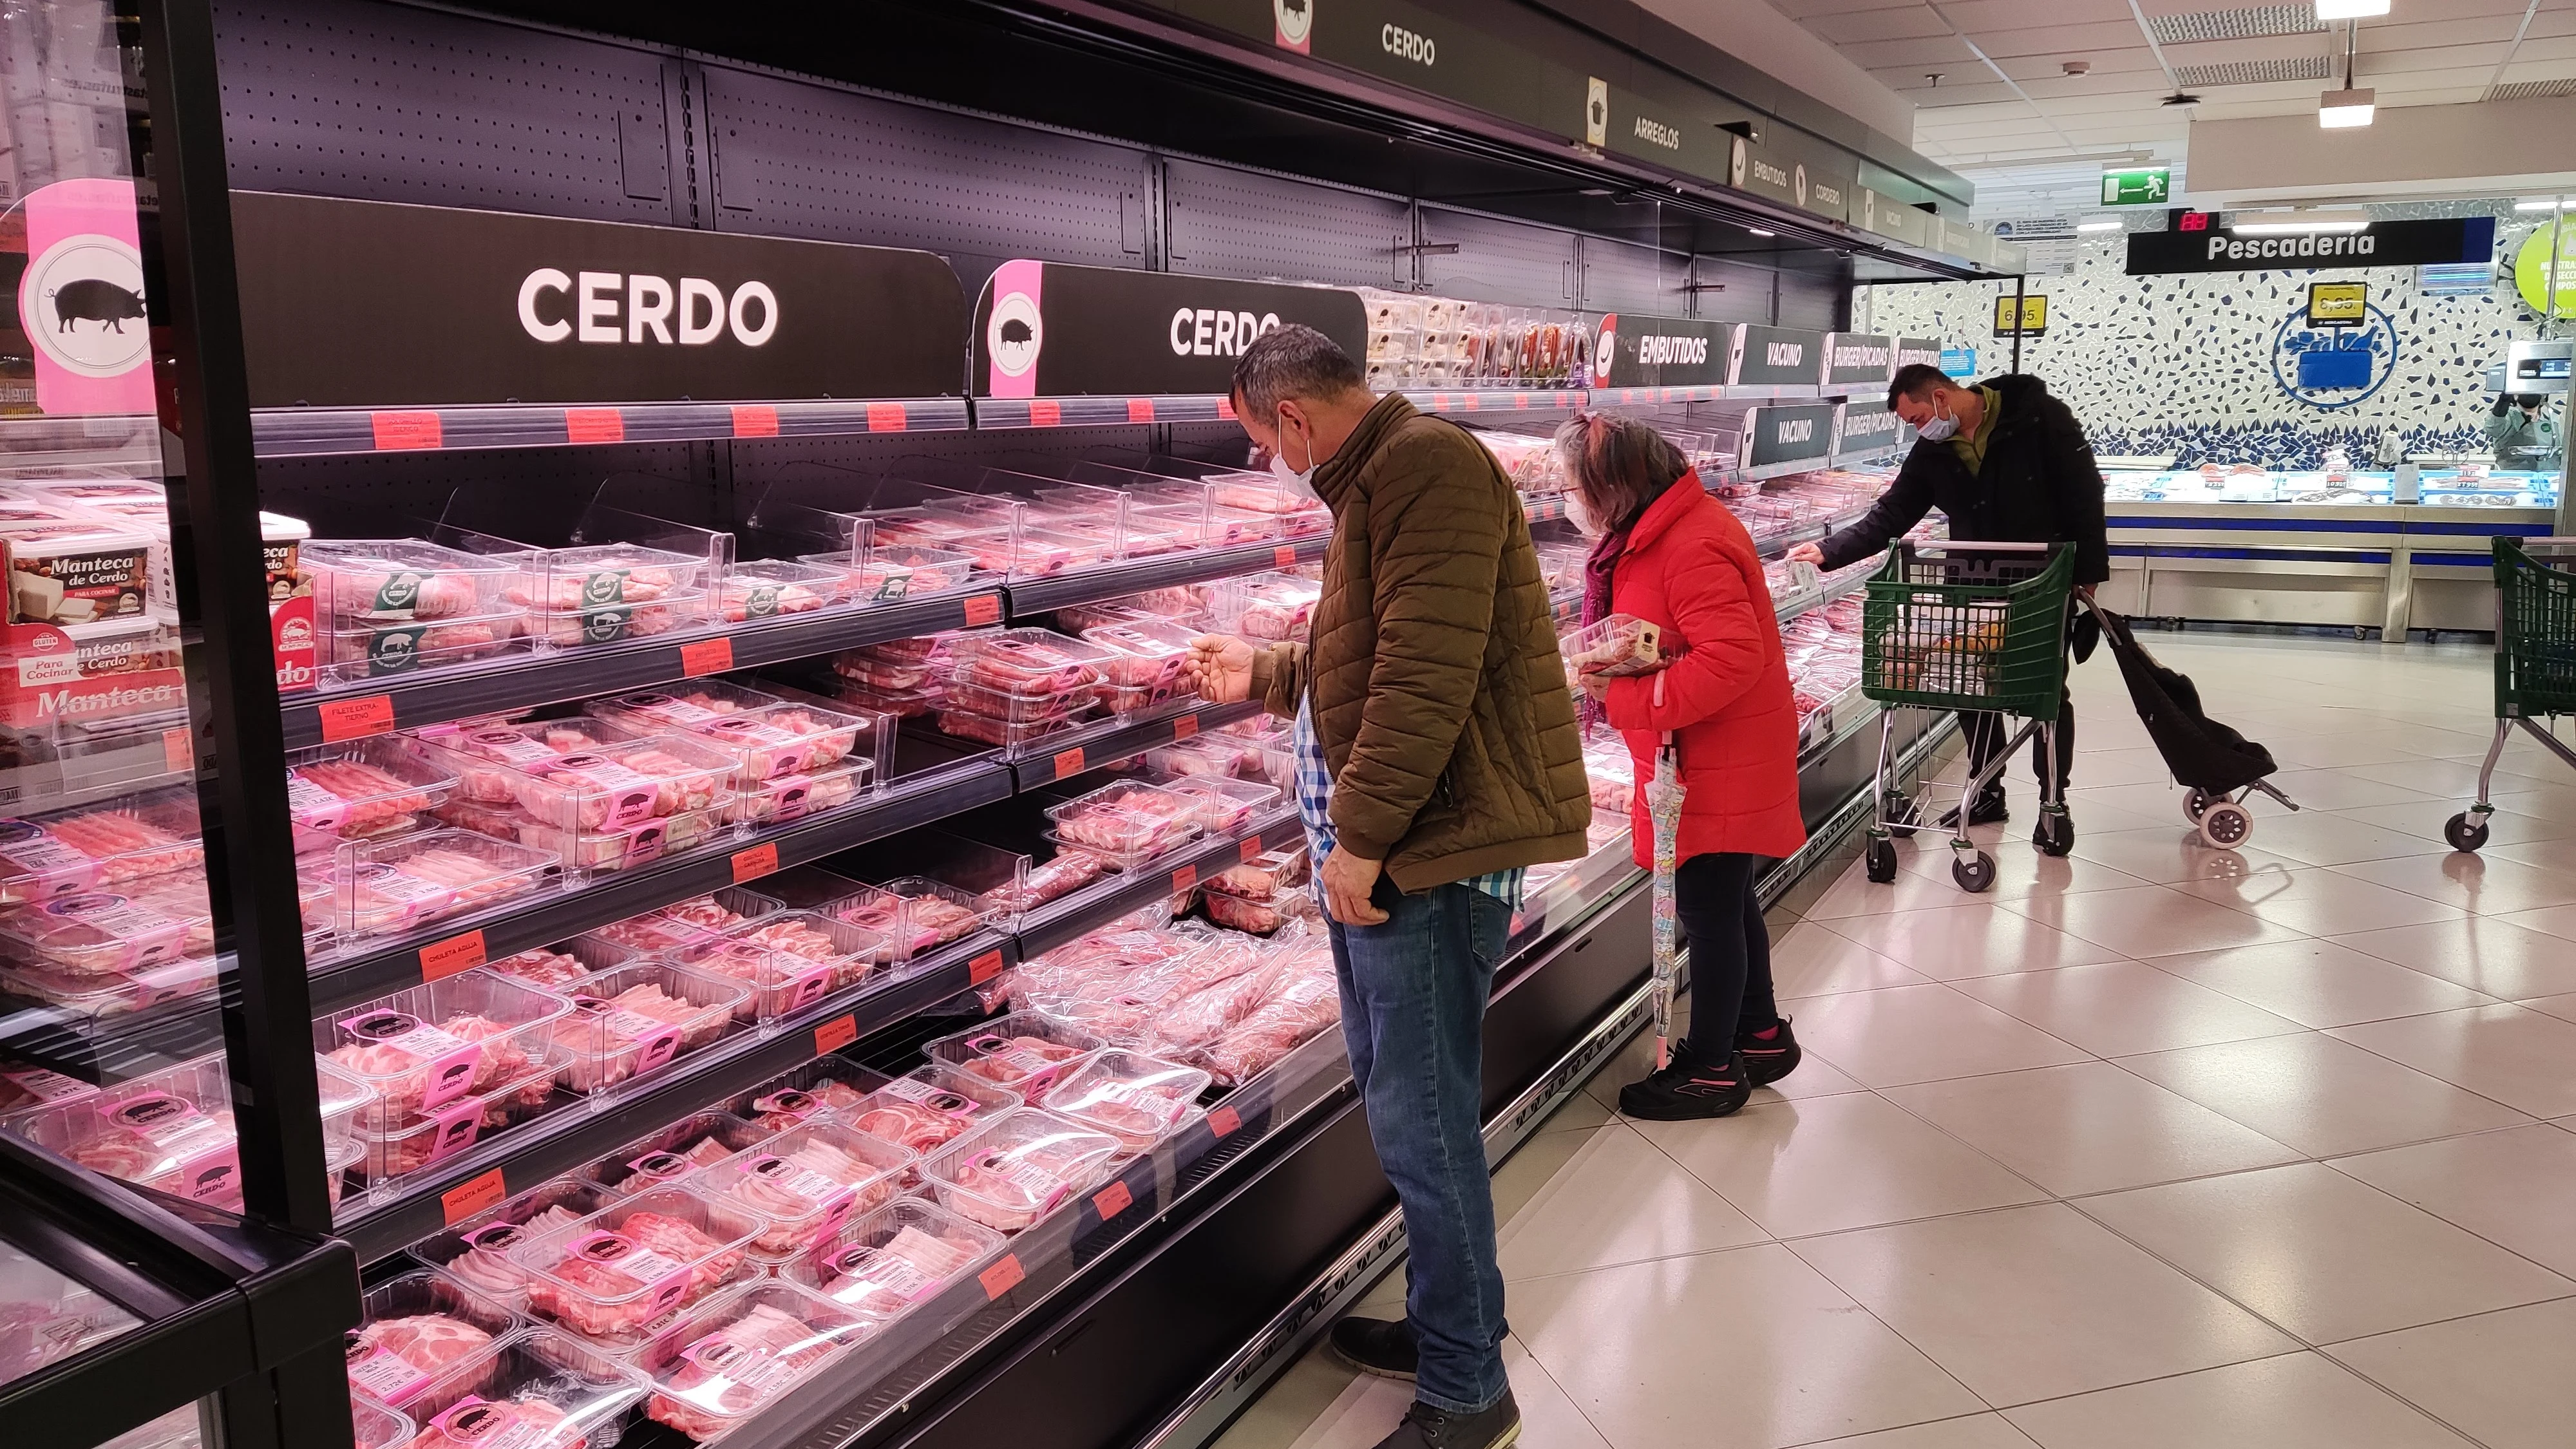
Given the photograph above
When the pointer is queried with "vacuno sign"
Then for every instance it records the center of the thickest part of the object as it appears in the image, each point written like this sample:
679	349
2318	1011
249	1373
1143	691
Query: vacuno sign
1783	434
2380	244
379	304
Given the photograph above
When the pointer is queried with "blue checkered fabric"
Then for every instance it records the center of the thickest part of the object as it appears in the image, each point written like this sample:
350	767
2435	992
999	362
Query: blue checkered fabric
1314	808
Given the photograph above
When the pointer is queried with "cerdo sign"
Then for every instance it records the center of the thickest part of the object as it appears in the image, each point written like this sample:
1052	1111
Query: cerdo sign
375	304
1044	329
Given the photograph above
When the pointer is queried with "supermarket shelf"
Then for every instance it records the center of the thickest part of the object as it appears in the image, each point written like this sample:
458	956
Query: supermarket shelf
576	1133
1502	400
1822	594
1159	571
312	719
1100	411
1061	921
1649	397
1779	544
156	758
1071	752
395	963
1868	456
312	432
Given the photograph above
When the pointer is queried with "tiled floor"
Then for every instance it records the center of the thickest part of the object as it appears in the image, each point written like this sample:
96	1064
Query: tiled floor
2154	1145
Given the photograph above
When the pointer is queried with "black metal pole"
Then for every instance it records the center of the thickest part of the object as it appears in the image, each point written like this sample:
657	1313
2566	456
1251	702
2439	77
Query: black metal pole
2018	284
223	600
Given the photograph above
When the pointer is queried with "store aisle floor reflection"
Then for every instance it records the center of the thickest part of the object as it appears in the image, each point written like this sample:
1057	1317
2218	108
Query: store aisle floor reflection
2154	1144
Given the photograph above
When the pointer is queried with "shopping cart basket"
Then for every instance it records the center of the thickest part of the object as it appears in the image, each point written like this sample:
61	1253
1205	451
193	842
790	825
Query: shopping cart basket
2535	661
1967	626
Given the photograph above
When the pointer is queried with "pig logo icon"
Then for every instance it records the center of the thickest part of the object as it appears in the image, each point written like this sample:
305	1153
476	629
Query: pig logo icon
95	299
1014	335
78	297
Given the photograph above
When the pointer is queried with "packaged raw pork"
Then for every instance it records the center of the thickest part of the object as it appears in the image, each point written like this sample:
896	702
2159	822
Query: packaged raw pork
724	1362
803	1182
882	1263
420	1327
1017	1168
929	1107
619	1274
677	1151
358	791
1135	1098
63	851
476	1251
1020	1051
1615	646
1129	822
394	886
638	1018
542	1390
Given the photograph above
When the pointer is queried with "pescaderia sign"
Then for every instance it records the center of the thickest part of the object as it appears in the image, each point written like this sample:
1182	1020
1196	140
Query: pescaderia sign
2380	244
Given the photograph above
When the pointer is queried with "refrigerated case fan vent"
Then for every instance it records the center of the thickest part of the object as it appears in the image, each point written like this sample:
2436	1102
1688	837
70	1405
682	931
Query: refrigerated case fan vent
2247	23
2256	72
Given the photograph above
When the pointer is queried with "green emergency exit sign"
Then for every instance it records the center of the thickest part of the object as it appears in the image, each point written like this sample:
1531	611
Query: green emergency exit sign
2147	186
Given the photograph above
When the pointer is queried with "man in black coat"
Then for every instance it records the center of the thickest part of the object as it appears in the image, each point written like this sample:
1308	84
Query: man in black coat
2005	462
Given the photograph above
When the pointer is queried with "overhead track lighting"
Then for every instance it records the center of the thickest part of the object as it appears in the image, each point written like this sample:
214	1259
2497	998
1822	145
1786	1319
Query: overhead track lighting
2350	9
2350	107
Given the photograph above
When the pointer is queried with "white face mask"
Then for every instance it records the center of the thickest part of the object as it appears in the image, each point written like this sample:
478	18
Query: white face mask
1301	479
1939	428
1580	516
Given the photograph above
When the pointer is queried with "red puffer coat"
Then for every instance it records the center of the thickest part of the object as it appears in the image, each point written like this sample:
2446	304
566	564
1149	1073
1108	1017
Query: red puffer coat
1690	568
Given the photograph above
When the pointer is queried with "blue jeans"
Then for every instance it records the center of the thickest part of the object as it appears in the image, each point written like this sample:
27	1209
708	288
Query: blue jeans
1413	1013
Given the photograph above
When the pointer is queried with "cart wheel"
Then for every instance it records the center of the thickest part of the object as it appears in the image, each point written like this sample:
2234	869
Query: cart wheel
2226	825
2055	834
2195	803
1882	861
1974	875
1900	815
2463	835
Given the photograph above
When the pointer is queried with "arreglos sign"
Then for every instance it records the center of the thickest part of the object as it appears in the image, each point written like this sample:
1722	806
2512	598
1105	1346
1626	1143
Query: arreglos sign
2380	244
380	304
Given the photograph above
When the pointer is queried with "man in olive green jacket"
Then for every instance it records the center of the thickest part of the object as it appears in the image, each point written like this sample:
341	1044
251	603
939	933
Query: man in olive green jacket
1437	759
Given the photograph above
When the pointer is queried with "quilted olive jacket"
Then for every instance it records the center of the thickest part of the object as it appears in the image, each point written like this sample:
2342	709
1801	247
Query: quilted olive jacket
1438	695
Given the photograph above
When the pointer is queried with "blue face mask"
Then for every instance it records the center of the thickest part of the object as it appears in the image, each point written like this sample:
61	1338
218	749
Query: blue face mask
1938	429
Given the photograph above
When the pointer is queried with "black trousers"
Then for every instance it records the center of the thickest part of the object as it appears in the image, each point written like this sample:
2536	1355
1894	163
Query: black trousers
1986	734
1730	952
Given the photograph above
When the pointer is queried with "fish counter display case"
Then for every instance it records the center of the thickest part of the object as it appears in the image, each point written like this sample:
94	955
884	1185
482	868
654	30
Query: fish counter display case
2311	548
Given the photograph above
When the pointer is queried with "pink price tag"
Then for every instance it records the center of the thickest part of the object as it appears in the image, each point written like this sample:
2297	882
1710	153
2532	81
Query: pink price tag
788	796
472	1423
645	842
807	987
656	1048
665	1279
314	808
661	1166
494	1237
787	1102
210	1171
454	1129
630	795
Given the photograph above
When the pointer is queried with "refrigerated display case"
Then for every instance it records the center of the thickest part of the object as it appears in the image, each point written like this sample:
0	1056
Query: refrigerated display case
669	902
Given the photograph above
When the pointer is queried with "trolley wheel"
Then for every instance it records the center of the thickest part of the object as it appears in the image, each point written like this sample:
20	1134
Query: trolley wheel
1974	875
1882	861
2196	803
2226	825
1900	815
2463	835
2055	834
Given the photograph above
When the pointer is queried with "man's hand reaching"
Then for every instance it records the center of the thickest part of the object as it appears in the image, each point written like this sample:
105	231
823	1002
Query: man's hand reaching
1810	553
1220	666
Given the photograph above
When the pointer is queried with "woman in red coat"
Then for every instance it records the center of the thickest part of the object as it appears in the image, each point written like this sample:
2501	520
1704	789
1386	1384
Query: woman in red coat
1671	555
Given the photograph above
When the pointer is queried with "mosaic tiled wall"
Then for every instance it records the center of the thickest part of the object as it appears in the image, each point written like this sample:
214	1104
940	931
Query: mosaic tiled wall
2187	364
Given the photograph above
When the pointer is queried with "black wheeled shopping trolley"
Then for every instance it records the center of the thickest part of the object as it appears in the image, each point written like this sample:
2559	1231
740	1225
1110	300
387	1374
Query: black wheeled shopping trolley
2535	661
1967	626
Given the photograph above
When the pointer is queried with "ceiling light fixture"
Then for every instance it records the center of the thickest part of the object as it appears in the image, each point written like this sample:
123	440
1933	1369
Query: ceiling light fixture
2099	226
2350	9
1757	231
2551	205
2300	222
2350	107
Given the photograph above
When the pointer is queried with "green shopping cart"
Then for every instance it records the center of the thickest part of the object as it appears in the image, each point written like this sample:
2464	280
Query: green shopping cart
2535	661
1962	625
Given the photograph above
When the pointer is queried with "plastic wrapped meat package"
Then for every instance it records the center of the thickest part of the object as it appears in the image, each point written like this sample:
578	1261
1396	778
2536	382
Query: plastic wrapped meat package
1269	608
1135	1098
780	740
1305	1002
617	1276
62	852
792	797
1007	686
420	1328
148	942
938	911
400	1141
172	1130
681	707
677	1151
1217	989
893	571
1225	805
1128	822
1015	1169
1111	983
805	1181
1218	754
930	1106
389	888
595	852
893	668
636	1019
886	914
1068	871
46	1317
476	1250
360	791
394	607
881	1264
1143	654
828	1084
552	968
789	960
1022	1051
607	786
724	1362
683	921
423	1048
1615	646
541	1390
774	588
602	593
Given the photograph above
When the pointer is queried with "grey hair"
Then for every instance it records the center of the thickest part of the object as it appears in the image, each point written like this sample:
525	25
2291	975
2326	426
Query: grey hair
1292	360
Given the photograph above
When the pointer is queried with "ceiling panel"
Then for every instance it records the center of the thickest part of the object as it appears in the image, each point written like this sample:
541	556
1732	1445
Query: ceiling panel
1878	25
1924	51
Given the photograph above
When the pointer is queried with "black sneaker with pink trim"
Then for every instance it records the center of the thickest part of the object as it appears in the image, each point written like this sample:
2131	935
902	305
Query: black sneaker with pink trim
1770	1054
1688	1089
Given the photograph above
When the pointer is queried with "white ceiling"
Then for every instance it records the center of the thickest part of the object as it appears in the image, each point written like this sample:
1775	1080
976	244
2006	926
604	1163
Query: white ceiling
2033	138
